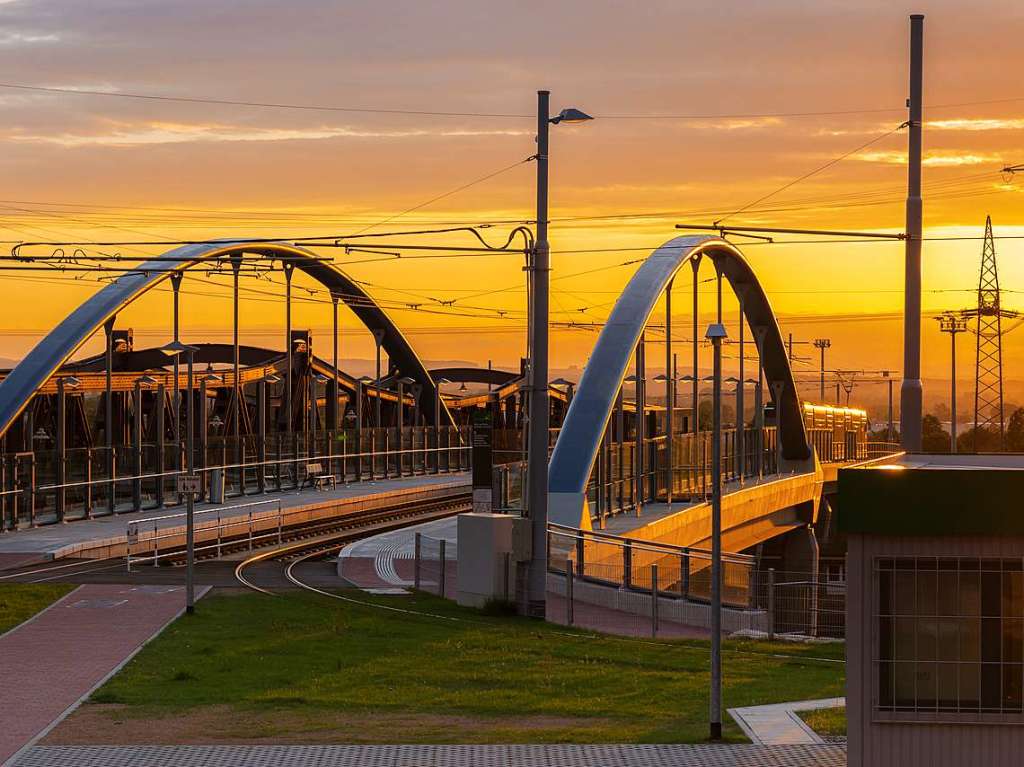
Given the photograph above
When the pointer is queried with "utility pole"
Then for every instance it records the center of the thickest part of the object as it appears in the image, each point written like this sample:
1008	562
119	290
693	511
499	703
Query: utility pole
716	334
539	415
821	344
910	390
952	324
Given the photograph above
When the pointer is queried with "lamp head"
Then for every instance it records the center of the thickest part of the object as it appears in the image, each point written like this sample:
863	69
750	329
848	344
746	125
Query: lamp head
175	348
570	115
272	378
716	332
70	382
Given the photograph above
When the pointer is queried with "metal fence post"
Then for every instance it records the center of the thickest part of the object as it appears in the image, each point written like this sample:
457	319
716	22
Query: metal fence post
580	564
654	601
684	575
441	579
627	565
568	591
416	563
771	604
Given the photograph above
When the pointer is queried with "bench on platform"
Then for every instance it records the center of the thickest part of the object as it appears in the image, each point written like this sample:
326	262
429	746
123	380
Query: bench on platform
316	477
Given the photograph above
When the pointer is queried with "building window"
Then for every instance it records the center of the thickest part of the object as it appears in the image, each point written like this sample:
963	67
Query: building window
950	635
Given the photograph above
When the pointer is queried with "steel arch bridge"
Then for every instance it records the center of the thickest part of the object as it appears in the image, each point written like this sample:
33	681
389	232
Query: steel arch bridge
587	419
58	346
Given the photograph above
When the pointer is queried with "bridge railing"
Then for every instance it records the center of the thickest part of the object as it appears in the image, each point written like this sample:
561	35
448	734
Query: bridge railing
97	482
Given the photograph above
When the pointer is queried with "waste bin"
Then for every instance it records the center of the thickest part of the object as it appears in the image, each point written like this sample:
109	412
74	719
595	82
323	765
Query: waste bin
217	486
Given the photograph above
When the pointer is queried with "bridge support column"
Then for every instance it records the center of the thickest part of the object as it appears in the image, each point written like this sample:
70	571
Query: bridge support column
108	417
638	457
800	561
236	405
261	435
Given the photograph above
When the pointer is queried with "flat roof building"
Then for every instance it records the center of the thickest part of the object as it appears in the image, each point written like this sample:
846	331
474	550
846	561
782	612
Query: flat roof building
935	611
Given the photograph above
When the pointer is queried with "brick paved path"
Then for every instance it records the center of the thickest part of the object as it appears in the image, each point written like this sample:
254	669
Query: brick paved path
53	660
435	756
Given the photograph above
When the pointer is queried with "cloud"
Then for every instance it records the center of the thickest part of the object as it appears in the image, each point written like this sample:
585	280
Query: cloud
151	133
751	123
26	38
936	159
977	124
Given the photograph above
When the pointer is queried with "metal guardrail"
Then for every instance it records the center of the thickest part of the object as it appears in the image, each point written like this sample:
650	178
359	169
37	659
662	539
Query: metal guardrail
30	504
219	525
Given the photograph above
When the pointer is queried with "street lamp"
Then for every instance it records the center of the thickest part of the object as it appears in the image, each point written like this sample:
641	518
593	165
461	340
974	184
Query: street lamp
437	422
952	324
189	484
716	334
537	444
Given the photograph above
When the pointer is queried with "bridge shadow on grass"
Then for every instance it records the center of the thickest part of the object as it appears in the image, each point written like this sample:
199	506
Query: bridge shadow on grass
307	669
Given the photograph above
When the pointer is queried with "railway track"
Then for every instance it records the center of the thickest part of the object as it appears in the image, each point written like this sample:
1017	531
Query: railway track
310	545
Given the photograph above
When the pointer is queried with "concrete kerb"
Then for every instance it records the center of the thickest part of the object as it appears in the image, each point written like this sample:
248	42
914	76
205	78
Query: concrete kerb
780	724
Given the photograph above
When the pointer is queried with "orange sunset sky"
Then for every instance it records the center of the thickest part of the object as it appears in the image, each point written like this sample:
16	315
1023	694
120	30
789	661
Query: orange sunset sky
101	168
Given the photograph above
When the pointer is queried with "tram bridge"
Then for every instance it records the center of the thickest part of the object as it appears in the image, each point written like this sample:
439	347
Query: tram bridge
102	435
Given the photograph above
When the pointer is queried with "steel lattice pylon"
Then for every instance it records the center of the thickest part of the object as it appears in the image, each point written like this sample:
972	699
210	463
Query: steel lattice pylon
988	374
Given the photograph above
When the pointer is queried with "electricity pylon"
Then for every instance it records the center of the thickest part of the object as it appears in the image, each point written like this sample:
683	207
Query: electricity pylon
988	372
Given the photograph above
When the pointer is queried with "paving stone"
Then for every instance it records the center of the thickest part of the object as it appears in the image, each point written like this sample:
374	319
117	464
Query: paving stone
437	756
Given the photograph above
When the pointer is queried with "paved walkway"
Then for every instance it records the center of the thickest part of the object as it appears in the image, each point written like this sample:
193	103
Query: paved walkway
436	756
779	724
55	659
54	541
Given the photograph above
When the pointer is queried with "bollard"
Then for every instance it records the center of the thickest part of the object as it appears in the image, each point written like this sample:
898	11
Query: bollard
771	604
568	592
654	601
416	563
441	578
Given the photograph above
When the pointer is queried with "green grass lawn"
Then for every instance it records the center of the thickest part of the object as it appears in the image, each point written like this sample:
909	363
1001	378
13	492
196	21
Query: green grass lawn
827	722
20	601
306	668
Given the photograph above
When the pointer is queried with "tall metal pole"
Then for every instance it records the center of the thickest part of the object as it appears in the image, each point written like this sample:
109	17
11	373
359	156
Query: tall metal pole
537	449
62	448
952	392
716	334
190	499
952	324
891	430
670	400
236	265
337	385
378	339
695	265
910	390
822	344
176	279
741	404
108	415
288	269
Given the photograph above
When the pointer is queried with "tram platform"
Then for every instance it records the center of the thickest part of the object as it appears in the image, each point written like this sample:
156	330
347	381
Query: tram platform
108	536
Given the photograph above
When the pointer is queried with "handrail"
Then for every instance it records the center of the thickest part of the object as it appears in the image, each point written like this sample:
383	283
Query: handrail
638	544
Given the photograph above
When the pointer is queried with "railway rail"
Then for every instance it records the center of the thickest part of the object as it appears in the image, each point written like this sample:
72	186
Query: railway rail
309	545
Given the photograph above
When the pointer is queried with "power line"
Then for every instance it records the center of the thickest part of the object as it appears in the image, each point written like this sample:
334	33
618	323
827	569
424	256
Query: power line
817	170
505	115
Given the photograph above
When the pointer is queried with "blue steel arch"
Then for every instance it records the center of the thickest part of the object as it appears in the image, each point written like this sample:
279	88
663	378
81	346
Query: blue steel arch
585	423
47	357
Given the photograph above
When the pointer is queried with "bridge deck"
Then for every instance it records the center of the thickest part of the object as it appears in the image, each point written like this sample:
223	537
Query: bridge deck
56	541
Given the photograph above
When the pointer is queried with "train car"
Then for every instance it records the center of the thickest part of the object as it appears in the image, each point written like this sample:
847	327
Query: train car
837	433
